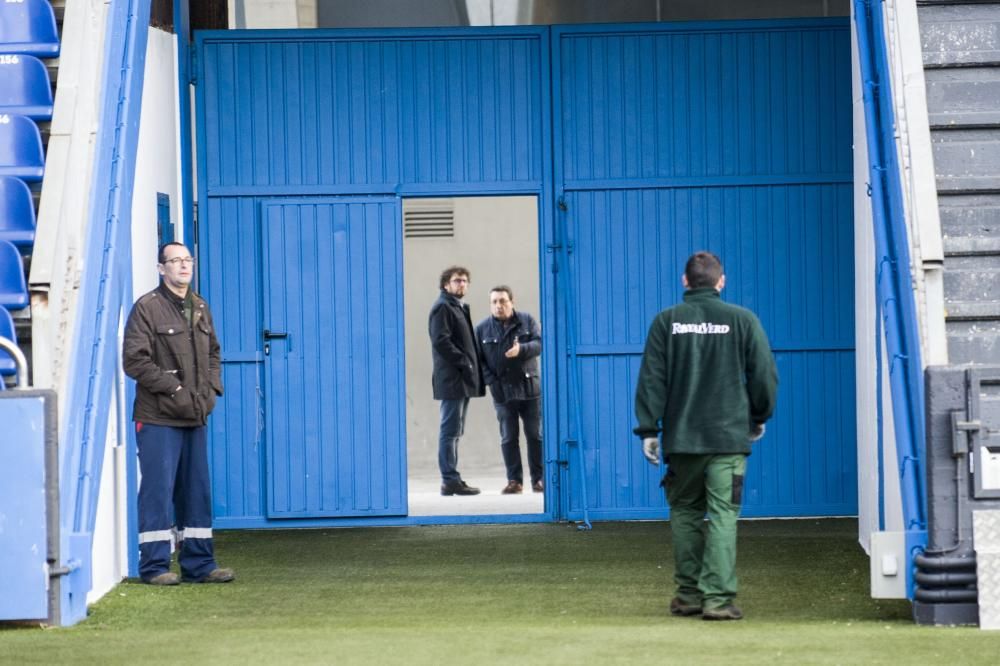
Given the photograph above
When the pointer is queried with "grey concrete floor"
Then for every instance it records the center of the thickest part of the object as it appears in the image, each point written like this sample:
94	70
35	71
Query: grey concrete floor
425	497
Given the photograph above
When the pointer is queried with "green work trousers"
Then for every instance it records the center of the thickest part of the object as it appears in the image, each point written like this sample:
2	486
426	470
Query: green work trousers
705	551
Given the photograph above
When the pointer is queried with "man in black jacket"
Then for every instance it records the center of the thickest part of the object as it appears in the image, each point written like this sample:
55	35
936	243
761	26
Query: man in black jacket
510	343
457	374
171	352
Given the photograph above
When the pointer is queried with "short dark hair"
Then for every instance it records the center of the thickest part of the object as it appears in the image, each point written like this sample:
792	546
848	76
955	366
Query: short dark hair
503	287
452	271
160	256
703	269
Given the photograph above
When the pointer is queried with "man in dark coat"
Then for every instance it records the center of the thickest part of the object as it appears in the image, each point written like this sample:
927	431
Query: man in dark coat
457	375
172	353
510	343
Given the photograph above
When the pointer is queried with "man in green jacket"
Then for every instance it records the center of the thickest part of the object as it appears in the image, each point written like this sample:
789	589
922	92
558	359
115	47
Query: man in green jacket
708	381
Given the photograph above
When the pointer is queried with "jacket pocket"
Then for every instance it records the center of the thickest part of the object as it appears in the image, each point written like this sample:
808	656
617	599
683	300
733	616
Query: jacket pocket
209	401
172	338
737	497
179	405
532	385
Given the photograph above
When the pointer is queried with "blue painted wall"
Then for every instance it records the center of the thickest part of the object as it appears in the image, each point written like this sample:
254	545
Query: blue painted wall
660	141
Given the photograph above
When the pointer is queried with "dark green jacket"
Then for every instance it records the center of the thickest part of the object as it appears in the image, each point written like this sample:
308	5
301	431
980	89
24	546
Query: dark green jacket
707	375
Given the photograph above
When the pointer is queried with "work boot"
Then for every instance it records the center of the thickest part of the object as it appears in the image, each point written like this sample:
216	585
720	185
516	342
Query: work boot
727	612
512	488
165	578
458	488
215	576
678	607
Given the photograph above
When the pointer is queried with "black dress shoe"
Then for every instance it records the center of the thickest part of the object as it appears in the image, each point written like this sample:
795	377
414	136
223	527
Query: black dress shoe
458	488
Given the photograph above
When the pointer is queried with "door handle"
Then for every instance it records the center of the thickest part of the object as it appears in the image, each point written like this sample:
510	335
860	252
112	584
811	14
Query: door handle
274	335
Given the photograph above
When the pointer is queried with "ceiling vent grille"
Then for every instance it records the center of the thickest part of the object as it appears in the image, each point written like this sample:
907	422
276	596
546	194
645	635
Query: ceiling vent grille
429	218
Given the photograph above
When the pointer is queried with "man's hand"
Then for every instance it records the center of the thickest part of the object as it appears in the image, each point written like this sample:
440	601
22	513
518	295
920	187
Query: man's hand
651	449
756	431
514	350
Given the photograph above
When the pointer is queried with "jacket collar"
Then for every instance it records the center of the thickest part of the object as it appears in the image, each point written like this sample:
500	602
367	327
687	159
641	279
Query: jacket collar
701	294
513	320
451	298
171	296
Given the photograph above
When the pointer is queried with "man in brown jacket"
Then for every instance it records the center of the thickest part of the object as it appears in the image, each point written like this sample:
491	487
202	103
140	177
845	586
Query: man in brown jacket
172	353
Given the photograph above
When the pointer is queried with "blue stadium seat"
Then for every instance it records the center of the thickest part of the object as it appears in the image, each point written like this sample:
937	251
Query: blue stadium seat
20	147
24	87
13	288
17	212
7	366
28	27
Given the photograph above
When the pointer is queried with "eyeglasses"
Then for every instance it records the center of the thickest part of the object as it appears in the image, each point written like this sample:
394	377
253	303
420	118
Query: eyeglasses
177	261
460	280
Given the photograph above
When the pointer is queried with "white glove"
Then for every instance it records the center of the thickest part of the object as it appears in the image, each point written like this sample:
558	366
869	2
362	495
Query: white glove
651	449
756	432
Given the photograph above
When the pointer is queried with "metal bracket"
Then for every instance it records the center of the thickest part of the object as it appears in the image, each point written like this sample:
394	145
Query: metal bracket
982	397
960	444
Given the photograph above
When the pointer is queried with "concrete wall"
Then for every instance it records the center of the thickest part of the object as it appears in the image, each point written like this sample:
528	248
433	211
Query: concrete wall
496	238
409	13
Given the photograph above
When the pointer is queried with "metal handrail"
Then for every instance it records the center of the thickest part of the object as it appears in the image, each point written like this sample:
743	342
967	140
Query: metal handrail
892	275
19	360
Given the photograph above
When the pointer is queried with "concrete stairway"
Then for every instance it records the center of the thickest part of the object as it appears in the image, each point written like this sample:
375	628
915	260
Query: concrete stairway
961	55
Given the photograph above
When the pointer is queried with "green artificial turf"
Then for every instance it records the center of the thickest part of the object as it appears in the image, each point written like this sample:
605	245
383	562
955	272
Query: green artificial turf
526	594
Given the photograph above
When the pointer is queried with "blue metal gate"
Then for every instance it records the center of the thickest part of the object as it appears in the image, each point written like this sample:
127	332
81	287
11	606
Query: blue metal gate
734	138
642	143
310	137
333	357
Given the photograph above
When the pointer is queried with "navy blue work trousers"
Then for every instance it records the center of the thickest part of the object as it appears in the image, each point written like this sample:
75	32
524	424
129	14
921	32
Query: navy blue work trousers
530	414
174	493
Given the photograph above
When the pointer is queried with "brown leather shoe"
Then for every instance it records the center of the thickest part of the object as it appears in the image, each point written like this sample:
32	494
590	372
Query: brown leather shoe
165	578
538	486
215	576
512	488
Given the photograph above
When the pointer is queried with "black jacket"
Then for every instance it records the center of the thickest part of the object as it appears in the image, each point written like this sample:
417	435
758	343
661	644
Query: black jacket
457	373
511	378
161	352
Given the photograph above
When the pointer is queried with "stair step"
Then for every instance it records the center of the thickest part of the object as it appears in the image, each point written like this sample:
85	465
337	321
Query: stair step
973	341
963	97
967	160
972	311
969	214
976	280
970	246
960	34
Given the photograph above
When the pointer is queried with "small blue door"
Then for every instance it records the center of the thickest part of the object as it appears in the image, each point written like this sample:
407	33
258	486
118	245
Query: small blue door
333	357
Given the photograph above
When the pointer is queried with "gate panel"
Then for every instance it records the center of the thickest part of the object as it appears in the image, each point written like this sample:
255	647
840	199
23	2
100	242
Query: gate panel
313	110
736	139
333	357
335	113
